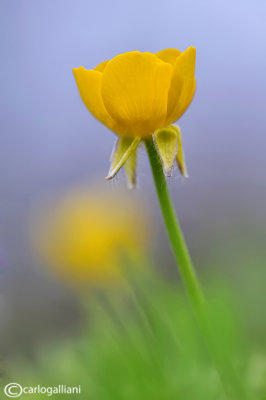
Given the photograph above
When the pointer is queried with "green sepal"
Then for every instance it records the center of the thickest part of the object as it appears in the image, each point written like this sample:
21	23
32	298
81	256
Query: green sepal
130	170
123	149
167	141
180	156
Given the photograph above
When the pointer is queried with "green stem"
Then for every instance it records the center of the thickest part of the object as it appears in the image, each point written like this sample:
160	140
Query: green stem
176	237
229	380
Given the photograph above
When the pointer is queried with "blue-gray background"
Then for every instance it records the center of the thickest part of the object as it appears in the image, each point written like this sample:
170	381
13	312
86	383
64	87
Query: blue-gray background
50	141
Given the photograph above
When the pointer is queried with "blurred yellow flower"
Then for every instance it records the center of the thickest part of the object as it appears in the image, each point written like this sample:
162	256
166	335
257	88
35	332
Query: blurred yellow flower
136	95
85	237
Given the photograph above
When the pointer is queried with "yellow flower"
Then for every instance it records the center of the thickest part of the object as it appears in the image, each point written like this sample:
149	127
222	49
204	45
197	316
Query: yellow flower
83	236
138	94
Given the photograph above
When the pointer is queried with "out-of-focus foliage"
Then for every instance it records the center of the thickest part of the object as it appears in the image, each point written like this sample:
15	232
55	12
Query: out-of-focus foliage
147	345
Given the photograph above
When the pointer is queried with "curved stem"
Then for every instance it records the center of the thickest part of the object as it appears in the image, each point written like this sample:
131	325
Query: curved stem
191	283
176	237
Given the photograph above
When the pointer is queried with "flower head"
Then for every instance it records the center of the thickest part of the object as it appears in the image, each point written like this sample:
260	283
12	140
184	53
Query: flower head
84	237
138	94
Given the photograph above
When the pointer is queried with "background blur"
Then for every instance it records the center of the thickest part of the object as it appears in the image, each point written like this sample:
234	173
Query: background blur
50	143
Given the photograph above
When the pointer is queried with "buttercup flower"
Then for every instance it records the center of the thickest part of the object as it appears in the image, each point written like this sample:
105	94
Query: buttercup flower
137	95
84	238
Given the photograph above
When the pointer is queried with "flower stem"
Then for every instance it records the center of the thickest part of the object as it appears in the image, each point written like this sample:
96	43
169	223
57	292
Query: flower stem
176	237
230	382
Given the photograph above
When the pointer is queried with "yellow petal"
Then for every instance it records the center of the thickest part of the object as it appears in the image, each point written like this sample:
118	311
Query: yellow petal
123	149
101	67
180	156
166	141
168	55
182	85
89	85
188	98
135	91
